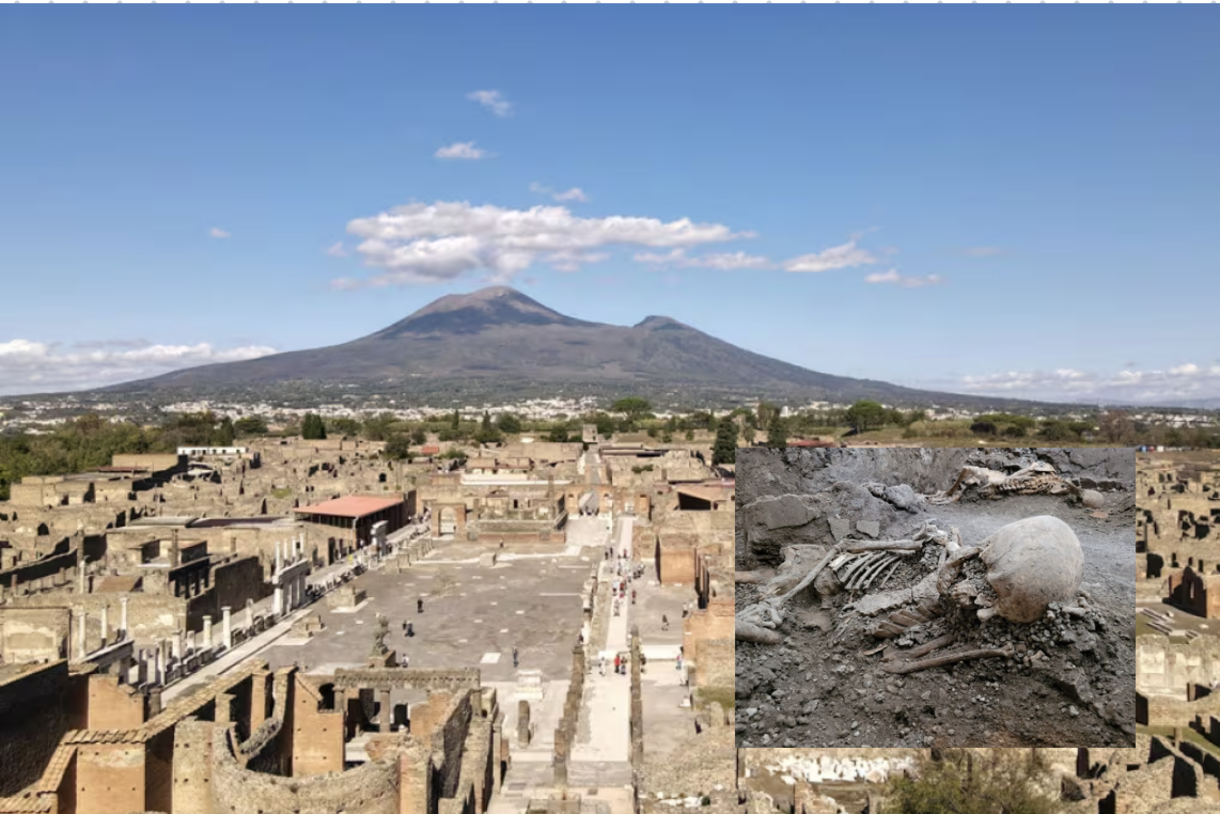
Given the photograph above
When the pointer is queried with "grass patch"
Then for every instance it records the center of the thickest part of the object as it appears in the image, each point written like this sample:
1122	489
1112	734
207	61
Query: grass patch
706	696
1192	735
280	494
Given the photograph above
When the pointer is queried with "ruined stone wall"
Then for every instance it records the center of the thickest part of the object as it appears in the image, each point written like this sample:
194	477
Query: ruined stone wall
236	581
33	634
113	705
35	712
57	569
1166	668
192	784
110	777
371	788
716	665
713	622
316	735
148	615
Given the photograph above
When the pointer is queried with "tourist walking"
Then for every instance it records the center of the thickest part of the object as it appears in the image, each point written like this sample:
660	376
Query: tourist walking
616	663
515	662
419	606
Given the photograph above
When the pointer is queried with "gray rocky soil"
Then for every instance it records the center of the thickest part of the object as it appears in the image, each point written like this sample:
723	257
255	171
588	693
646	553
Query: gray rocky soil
1071	680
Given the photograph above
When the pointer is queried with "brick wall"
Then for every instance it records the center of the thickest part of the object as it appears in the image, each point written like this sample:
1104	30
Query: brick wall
316	735
110	778
716	665
368	789
193	767
714	622
34	714
113	705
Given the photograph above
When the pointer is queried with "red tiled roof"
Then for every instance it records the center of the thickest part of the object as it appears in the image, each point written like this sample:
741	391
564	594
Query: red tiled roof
350	506
430	449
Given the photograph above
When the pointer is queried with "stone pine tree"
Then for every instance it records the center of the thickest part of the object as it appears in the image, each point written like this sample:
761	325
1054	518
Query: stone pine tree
455	421
312	428
725	449
225	433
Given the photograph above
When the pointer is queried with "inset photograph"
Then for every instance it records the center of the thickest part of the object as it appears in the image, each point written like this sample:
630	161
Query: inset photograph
935	597
968	781
1178	604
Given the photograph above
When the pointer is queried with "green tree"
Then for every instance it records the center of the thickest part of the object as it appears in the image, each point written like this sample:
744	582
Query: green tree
487	434
225	433
419	437
1116	427
994	781
455	421
865	415
558	433
508	423
605	424
725	449
398	448
777	432
766	413
379	427
250	425
313	428
633	408
347	427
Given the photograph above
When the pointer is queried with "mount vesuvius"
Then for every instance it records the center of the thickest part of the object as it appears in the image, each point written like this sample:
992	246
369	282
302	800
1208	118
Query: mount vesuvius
499	341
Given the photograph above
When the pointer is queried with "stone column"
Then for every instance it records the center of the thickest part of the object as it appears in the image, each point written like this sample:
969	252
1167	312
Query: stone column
190	642
277	603
386	713
123	616
105	624
207	632
142	668
81	633
177	645
81	587
279	556
227	622
249	613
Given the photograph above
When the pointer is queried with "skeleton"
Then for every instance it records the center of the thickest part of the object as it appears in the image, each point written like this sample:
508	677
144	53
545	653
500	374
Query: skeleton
1036	479
1030	564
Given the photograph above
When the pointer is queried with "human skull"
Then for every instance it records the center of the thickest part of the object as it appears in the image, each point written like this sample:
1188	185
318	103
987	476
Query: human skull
1031	563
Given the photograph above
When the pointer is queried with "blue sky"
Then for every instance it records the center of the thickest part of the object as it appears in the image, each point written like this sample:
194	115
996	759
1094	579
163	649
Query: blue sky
1011	200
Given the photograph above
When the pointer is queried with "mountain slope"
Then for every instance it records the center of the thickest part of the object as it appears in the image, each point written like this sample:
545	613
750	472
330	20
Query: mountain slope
505	341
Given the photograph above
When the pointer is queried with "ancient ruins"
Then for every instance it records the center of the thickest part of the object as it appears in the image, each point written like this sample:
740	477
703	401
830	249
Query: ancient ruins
1178	653
307	626
1155	776
880	603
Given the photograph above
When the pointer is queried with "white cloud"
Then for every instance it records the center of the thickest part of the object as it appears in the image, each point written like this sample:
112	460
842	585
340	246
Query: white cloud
848	255
493	100
892	276
982	251
462	149
723	261
216	232
428	243
1183	382
28	367
336	250
573	194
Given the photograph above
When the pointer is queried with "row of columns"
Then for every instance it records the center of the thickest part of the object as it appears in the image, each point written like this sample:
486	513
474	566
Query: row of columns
82	630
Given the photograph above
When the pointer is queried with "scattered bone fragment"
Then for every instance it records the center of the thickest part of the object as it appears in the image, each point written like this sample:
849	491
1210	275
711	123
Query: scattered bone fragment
903	667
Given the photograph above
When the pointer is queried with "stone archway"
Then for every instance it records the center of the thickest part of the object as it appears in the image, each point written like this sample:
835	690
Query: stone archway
449	518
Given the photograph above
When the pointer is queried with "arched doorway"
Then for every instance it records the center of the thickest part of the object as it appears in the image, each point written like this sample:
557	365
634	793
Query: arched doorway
448	521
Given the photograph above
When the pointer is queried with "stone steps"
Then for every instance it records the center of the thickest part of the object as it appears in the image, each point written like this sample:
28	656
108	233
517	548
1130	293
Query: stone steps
589	774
